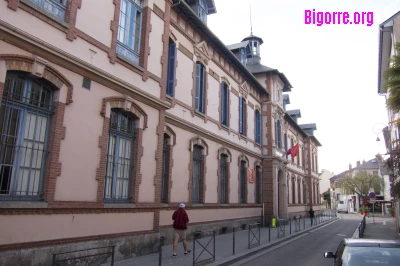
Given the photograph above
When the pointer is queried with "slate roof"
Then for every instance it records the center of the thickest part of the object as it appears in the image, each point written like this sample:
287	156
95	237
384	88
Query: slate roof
371	164
238	45
259	68
294	112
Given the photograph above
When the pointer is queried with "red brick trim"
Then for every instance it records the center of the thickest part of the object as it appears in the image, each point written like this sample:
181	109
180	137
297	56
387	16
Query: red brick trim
168	131
101	171
92	40
164	57
159	156
225	151
25	63
200	142
145	41
114	32
216	221
71	14
63	241
13	4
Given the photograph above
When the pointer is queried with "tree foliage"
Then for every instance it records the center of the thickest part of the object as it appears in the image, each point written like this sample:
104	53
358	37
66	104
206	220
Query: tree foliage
392	76
361	183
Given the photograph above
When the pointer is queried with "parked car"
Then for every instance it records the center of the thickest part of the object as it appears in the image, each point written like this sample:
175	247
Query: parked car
365	252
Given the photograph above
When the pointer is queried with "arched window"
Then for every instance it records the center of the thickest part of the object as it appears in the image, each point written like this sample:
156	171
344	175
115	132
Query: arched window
119	156
243	183
197	174
293	190
165	170
25	113
223	168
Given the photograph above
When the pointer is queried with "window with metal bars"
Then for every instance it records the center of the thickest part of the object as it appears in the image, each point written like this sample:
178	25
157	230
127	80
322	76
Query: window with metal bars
53	7
223	171
119	156
129	30
197	174
165	170
243	187
299	192
293	191
258	185
25	113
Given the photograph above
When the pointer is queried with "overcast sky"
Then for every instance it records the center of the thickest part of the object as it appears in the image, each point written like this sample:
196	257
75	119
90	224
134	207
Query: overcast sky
333	68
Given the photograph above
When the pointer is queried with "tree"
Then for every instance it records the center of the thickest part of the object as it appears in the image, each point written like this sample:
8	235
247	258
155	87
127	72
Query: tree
392	76
327	198
361	184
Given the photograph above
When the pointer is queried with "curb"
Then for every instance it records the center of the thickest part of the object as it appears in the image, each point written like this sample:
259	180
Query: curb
245	254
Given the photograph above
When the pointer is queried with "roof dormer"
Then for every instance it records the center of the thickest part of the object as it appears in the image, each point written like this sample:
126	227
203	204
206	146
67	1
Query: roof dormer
202	8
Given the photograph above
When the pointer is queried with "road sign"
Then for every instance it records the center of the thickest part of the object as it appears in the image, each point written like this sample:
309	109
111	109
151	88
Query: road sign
371	195
372	200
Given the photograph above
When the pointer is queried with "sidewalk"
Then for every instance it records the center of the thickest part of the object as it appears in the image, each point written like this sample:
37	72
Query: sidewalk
224	245
384	228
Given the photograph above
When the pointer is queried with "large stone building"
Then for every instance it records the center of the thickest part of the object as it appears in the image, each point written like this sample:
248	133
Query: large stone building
111	116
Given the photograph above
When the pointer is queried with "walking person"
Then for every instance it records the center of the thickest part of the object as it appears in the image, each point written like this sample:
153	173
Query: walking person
311	216
180	218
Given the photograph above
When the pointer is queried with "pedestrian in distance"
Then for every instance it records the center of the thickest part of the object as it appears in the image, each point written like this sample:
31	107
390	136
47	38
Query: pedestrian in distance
181	219
311	212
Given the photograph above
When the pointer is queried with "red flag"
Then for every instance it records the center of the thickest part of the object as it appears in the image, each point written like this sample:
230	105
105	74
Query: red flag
294	150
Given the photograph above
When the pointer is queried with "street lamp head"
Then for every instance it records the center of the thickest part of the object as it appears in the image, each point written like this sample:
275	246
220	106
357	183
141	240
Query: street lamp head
377	139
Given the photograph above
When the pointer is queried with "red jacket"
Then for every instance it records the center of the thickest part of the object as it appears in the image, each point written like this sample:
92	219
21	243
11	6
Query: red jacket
180	218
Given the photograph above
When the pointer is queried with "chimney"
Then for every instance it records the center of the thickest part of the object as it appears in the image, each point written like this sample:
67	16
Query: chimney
363	161
358	163
349	166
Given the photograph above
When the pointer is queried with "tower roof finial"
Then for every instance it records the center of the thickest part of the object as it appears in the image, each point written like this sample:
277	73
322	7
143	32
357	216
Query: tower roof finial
251	23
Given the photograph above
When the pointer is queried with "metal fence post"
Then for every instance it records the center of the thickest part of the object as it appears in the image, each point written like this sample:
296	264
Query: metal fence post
54	260
233	240
160	251
269	232
112	256
214	246
194	246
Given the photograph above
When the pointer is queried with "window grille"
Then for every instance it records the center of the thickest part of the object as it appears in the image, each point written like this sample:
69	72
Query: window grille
165	170
25	113
119	156
197	174
86	83
258	185
223	178
242	182
53	7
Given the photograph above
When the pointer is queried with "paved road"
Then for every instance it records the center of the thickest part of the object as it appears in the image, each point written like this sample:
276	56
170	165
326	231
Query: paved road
307	249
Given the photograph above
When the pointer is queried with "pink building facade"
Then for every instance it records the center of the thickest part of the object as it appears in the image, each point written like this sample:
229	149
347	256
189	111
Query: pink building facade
112	116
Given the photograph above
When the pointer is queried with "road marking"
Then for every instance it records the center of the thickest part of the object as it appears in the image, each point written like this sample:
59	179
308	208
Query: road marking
384	222
341	235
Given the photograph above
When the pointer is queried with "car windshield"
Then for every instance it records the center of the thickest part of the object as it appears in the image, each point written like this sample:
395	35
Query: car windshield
363	256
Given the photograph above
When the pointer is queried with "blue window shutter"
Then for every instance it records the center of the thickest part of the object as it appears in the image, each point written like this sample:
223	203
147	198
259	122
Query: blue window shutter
285	139
171	69
202	88
223	103
197	89
258	127
226	105
240	115
279	133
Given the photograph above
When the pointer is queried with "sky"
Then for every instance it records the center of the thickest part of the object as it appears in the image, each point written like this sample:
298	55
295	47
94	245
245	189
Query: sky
333	68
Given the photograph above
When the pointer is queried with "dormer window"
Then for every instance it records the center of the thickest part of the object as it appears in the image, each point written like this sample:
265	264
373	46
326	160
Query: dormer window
243	57
199	7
